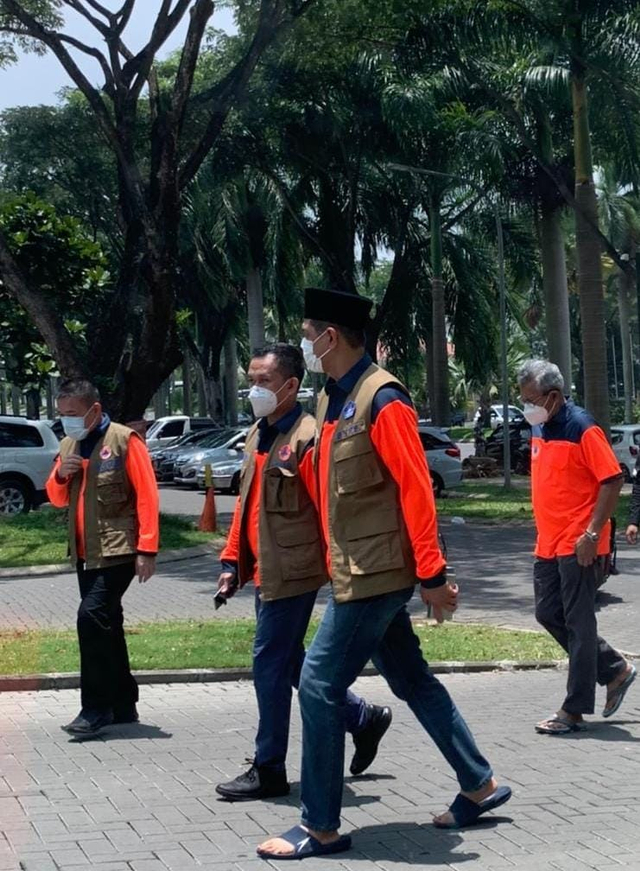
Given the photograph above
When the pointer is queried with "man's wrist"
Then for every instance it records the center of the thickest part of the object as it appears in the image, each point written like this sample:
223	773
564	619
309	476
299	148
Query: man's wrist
433	583
594	537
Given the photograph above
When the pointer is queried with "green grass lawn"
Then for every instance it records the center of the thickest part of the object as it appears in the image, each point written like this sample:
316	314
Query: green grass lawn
40	537
227	644
487	501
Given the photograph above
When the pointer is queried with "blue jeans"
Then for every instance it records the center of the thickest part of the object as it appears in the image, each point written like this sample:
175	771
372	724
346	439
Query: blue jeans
278	655
349	636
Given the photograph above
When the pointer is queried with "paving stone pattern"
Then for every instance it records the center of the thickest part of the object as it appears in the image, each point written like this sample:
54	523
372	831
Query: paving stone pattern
142	797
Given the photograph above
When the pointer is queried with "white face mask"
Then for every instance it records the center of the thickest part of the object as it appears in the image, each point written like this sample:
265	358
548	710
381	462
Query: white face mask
311	361
74	427
536	415
263	401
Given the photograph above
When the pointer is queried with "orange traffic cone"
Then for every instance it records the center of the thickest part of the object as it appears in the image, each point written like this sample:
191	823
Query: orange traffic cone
208	520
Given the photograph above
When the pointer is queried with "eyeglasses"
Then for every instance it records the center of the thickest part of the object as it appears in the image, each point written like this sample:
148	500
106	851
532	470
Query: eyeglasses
524	400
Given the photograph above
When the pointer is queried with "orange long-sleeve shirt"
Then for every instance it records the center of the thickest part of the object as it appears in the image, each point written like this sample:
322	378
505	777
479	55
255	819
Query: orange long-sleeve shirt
141	477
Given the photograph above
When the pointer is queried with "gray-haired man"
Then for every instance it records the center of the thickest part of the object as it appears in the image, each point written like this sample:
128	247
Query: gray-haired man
575	484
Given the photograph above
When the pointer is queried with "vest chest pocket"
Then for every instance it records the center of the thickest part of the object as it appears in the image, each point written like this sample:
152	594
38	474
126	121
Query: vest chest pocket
374	546
355	464
111	493
280	490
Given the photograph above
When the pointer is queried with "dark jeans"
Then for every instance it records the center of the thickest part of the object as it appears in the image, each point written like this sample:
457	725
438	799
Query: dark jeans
106	681
278	655
565	596
350	634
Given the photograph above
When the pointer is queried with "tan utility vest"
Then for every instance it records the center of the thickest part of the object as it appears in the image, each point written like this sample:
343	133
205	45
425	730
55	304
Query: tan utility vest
290	551
110	516
370	547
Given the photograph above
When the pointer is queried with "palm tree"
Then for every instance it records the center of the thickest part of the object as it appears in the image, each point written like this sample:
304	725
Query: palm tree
620	216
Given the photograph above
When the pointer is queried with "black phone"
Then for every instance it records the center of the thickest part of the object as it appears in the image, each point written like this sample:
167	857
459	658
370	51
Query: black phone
218	600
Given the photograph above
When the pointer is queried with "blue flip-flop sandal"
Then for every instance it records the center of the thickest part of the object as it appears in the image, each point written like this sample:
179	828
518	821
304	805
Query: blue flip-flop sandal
466	812
305	845
619	693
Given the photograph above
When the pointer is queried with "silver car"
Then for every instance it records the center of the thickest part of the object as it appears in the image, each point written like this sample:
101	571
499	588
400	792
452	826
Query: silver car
228	446
443	457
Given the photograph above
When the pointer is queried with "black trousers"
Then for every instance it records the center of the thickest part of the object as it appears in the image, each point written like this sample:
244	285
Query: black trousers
106	681
565	596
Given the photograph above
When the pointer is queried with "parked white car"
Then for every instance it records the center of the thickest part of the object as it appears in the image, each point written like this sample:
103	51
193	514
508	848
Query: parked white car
443	457
164	430
625	441
27	451
515	415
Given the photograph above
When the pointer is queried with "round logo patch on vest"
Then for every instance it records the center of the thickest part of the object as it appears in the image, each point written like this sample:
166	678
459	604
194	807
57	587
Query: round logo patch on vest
349	410
284	453
105	452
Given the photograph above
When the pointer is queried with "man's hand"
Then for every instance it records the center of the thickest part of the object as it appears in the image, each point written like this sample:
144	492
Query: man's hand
632	533
69	466
586	551
145	567
227	585
443	598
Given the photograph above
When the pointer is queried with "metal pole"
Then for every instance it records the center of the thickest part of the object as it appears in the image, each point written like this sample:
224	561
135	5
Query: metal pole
506	430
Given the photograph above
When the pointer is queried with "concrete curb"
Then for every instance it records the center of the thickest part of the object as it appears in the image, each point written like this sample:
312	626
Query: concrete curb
71	681
165	556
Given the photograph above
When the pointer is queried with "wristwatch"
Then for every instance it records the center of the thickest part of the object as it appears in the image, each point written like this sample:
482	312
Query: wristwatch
592	536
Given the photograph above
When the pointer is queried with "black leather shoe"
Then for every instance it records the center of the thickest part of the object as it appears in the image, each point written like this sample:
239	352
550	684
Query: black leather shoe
367	741
69	727
128	714
90	723
256	783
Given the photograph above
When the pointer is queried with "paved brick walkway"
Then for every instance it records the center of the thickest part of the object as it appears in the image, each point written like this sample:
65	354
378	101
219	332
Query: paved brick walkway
493	569
142	797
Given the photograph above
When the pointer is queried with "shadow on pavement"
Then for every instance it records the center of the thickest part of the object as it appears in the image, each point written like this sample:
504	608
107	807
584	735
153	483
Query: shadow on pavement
128	732
409	844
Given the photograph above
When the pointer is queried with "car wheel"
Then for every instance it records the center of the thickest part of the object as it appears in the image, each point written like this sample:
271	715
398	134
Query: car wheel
234	490
437	484
15	498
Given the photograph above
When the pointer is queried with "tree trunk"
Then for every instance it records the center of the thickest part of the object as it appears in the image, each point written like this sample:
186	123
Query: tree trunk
255	310
440	409
3	399
590	283
161	400
230	379
213	397
626	286
187	404
51	406
556	295
202	397
16	397
33	403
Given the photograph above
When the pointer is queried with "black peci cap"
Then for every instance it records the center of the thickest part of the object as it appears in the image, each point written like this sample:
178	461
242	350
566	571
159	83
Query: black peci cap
337	307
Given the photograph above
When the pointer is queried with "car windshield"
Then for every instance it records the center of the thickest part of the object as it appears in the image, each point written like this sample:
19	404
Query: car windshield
219	439
190	438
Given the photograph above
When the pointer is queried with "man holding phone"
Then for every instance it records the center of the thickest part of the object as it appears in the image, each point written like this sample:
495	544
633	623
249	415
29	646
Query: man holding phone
275	541
103	474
